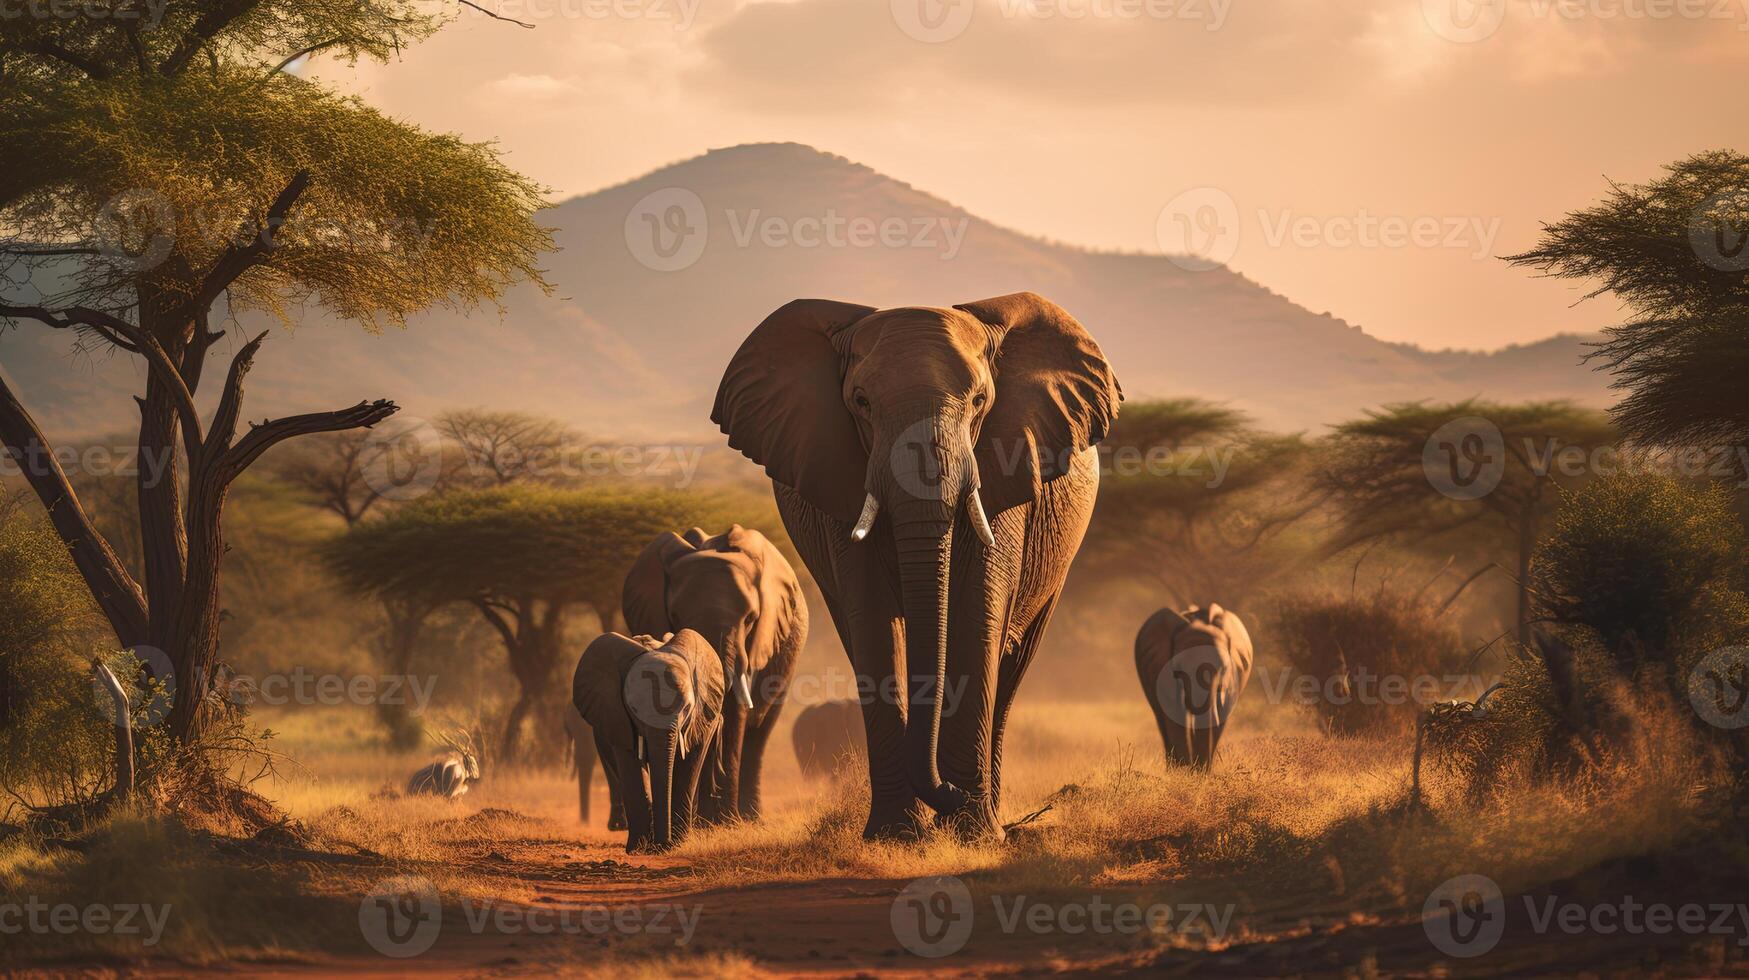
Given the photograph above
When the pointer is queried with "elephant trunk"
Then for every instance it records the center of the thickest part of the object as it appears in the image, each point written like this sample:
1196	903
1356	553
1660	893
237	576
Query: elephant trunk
925	502
661	748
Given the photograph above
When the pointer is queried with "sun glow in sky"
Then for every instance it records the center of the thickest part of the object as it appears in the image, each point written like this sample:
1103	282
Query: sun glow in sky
1327	125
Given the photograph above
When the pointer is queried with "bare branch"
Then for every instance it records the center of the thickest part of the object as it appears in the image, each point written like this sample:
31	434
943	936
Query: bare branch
268	434
224	425
497	16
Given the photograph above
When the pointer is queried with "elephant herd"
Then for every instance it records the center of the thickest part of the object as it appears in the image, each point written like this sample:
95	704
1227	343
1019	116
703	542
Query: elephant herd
936	470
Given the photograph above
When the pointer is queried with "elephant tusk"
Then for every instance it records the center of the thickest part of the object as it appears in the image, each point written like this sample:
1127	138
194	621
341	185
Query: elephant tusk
865	523
744	691
980	521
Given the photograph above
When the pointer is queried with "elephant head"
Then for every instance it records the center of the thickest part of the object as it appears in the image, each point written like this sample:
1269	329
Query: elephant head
726	587
660	699
928	420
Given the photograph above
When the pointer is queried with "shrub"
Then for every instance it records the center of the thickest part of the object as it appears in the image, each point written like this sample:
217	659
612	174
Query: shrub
1349	645
1647	563
55	745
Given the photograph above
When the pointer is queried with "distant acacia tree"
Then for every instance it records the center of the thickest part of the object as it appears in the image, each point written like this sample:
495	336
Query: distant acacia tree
1194	497
523	556
1419	470
500	447
187	178
1676	253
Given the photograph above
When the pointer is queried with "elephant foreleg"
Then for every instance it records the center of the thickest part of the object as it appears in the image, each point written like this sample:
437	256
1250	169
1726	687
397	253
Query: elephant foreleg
753	762
636	793
686	782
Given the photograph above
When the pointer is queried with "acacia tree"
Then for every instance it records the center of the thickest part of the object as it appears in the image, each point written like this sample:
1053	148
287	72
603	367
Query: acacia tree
523	556
1194	496
1425	470
188	178
1675	252
502	447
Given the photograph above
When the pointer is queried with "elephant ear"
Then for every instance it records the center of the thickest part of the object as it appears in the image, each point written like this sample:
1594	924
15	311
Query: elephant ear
598	687
779	589
1055	396
645	599
781	403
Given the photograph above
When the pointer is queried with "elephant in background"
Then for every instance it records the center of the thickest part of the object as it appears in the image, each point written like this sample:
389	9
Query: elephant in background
825	733
1193	666
936	470
656	708
583	759
739	592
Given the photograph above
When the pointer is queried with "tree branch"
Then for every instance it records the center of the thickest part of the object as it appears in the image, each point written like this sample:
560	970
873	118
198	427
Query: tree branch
141	342
224	425
216	19
271	433
241	256
49	49
116	592
497	16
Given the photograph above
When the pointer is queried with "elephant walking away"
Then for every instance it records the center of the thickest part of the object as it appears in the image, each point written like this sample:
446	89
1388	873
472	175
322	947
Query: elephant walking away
656	708
824	734
740	593
1193	666
936	470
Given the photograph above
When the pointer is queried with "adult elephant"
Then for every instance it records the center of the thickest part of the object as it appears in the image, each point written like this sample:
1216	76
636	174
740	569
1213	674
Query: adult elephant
936	470
1193	666
740	593
824	734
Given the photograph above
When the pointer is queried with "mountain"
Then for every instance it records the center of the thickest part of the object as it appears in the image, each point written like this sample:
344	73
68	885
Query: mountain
659	279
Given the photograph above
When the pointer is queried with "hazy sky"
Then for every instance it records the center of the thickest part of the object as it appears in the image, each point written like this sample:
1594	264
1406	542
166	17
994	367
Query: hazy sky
1368	158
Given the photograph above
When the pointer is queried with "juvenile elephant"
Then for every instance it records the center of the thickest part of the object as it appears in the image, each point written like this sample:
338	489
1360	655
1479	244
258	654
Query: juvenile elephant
1193	666
739	592
656	709
935	469
824	733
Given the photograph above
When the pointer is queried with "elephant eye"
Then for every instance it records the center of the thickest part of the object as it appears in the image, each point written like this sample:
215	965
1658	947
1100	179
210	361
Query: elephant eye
861	401
979	400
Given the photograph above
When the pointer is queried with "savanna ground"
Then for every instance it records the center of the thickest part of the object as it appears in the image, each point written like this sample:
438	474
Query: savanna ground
1298	854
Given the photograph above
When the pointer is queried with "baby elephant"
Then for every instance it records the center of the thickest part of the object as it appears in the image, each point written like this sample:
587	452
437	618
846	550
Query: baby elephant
825	733
1193	666
656	707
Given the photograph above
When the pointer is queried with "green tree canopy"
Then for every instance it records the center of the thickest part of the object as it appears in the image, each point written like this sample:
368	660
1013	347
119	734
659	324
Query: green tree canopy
1675	252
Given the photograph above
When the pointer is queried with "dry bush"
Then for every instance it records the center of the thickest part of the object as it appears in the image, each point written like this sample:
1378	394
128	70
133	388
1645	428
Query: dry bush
1349	645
